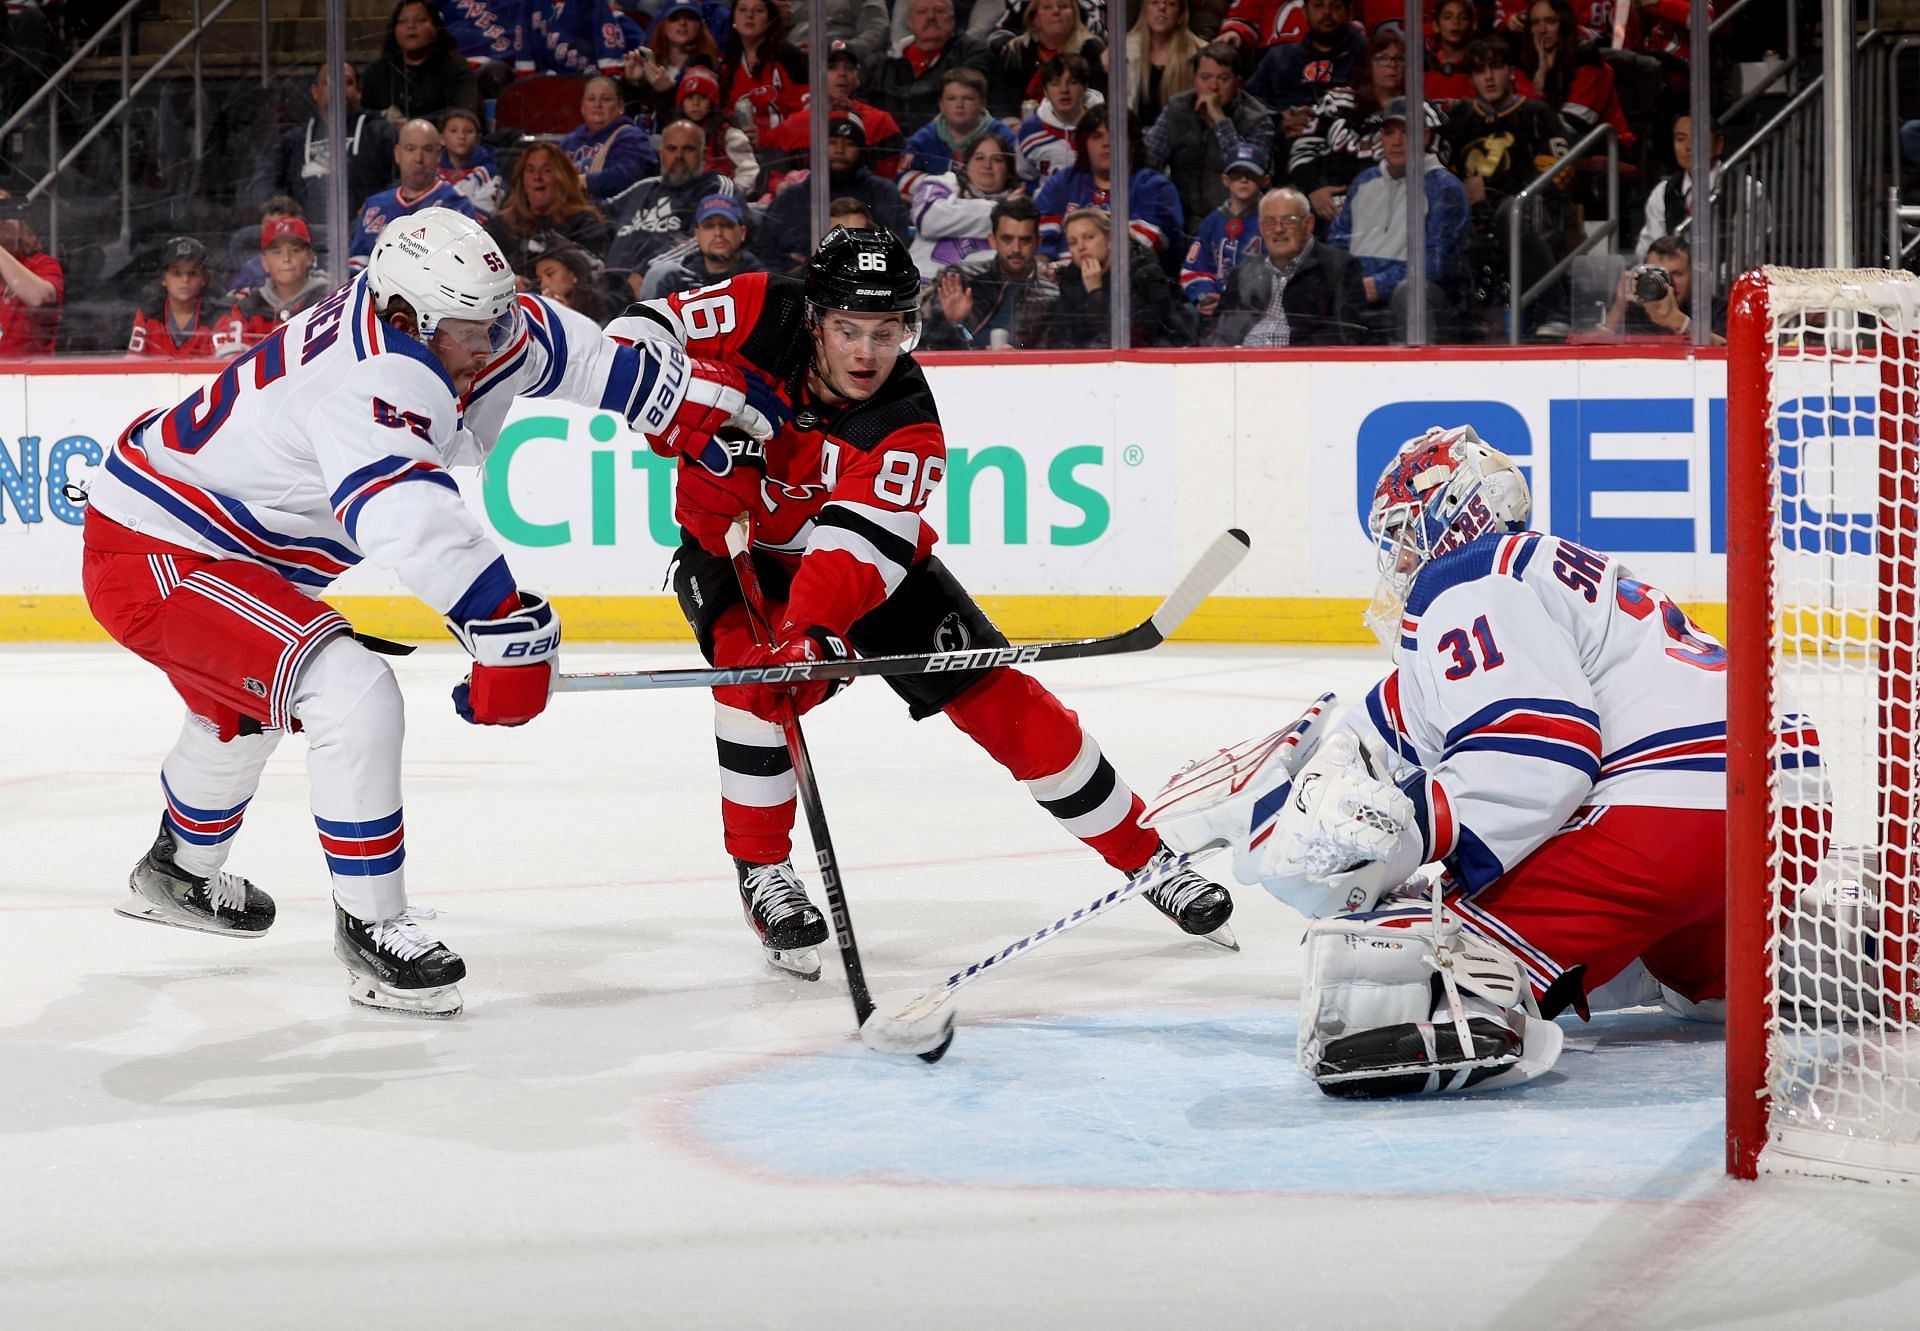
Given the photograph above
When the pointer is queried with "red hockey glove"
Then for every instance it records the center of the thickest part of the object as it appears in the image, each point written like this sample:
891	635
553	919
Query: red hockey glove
799	648
706	504
514	655
689	401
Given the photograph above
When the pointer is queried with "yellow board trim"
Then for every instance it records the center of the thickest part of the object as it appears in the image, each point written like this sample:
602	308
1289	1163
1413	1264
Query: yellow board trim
1292	620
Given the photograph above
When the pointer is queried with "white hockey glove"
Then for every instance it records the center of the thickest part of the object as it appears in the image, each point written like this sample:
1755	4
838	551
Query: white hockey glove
1344	838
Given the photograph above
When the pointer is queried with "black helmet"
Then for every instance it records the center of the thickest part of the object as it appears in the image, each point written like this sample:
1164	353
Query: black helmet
866	272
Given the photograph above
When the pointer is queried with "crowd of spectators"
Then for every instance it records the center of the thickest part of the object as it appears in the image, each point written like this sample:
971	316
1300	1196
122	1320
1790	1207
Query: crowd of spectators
1268	143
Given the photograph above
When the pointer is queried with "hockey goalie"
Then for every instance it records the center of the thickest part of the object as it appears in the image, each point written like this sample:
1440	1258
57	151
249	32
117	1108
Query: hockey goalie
1530	803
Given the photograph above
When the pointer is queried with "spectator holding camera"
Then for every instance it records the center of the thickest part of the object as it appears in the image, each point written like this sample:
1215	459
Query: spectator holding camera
1654	298
1001	299
680	41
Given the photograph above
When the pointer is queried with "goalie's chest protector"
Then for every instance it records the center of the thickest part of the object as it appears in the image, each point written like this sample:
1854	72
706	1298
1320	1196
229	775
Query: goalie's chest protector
1513	635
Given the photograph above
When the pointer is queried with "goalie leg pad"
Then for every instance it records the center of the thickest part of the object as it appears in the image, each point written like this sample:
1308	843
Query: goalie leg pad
1398	1003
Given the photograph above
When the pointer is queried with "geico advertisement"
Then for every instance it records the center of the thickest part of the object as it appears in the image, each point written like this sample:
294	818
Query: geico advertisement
1623	456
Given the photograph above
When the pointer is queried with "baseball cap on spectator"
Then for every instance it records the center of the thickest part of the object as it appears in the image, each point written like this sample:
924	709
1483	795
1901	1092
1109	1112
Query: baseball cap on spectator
11	206
697	81
677	7
183	249
1395	110
720	205
847	125
284	228
841	51
1247	157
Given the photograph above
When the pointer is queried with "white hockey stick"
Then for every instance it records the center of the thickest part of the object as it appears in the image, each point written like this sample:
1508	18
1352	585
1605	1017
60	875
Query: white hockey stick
928	1019
1218	798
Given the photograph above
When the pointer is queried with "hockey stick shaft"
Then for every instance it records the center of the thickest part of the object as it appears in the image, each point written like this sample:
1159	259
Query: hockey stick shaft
1220	559
739	548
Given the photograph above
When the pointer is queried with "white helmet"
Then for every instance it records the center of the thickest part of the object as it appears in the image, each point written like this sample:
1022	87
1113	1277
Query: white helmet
445	266
1442	490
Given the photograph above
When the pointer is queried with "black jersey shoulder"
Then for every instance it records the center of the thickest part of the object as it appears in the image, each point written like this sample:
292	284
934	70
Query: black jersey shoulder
905	400
778	344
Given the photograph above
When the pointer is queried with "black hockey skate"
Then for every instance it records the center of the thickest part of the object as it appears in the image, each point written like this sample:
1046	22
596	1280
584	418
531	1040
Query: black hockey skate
1198	906
788	925
396	965
164	893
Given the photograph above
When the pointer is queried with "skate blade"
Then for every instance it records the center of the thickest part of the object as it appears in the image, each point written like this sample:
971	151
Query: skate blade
437	1004
801	961
139	908
1221	937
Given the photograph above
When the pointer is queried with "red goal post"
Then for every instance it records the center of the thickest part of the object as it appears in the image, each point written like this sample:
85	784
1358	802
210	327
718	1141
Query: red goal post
1823	578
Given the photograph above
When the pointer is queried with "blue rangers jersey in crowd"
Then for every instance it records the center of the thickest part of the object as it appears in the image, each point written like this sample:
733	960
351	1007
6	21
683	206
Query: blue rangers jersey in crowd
544	36
383	207
1153	202
1219	246
1537	678
329	443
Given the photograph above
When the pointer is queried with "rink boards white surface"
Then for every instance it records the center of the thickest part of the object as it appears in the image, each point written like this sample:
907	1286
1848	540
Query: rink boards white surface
637	1124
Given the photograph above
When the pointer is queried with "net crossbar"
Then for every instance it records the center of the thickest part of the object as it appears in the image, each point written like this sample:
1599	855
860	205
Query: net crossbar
1823	434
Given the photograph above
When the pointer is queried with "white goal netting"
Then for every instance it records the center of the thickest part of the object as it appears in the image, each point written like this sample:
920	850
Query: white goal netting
1842	1045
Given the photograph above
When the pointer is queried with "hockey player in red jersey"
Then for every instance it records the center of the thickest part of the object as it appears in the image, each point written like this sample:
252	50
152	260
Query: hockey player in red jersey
841	544
214	527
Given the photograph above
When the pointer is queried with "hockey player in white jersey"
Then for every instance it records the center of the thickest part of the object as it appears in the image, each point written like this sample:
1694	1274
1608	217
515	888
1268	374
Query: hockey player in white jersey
214	527
1553	739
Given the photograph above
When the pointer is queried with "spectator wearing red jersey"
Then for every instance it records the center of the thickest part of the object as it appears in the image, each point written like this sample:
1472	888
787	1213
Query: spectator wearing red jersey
1568	72
786	143
290	286
724	148
179	321
763	75
1448	80
32	286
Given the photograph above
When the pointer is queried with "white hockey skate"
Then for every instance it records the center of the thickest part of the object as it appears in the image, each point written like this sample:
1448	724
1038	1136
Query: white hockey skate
397	966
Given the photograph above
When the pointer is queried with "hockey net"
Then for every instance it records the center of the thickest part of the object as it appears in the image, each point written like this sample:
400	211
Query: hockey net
1823	508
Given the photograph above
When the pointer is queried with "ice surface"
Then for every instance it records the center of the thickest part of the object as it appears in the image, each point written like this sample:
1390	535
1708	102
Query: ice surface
637	1124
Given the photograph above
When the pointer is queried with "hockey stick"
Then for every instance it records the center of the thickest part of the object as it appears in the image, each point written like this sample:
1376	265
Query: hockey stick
1217	789
1220	559
936	1040
920	1021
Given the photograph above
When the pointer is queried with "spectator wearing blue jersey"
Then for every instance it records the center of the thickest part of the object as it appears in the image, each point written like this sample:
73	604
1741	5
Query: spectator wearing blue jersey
1153	204
1372	227
1046	136
963	121
578	37
417	154
608	149
1227	235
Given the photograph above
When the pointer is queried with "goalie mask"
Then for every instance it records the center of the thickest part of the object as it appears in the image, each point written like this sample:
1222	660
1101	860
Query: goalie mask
446	266
1442	490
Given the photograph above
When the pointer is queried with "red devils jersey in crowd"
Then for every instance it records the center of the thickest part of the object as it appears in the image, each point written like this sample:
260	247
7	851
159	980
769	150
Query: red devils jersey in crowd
846	484
1264	23
152	337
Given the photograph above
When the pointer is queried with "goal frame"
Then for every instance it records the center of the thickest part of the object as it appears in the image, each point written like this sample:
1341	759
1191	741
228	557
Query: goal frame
1752	614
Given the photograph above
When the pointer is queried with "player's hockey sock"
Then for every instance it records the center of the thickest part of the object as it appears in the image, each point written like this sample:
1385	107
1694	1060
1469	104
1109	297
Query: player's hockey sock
1033	735
207	786
349	703
756	785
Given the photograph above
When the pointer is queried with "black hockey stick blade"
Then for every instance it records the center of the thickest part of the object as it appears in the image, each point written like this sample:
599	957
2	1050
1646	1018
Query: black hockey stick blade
1212	569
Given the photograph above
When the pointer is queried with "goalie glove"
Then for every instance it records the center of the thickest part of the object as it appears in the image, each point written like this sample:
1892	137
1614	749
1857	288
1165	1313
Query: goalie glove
1230	798
1344	838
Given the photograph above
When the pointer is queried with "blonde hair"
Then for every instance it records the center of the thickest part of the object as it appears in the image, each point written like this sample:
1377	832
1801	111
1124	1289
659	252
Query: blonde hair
1182	49
1076	40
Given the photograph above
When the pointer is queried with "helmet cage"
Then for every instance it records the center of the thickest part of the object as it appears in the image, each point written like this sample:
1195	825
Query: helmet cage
1440	492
